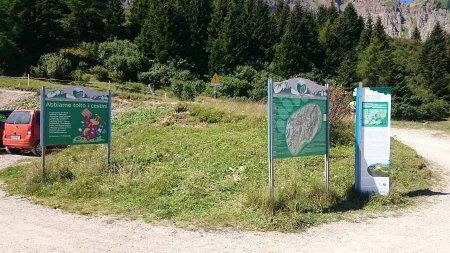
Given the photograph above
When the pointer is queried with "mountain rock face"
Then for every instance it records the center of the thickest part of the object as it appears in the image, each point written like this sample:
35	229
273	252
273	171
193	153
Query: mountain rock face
399	19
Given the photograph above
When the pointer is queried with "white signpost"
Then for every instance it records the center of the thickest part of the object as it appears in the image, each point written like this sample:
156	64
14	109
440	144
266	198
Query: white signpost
372	147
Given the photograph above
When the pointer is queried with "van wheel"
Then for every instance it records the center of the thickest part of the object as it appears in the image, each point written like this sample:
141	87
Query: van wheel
37	148
12	150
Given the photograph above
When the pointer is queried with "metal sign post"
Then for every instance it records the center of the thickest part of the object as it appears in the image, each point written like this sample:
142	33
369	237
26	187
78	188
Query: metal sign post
327	154
42	130
108	145
270	145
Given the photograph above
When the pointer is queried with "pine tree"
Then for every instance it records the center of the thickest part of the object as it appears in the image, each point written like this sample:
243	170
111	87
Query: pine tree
228	49
86	20
326	13
434	63
260	37
279	18
114	20
36	27
376	66
340	39
199	18
144	40
366	35
298	50
416	34
138	16
169	30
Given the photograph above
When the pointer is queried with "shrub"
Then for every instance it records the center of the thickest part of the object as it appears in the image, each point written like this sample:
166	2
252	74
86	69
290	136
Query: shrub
121	57
99	72
158	76
434	110
342	133
133	87
205	114
232	86
339	102
187	90
52	65
79	75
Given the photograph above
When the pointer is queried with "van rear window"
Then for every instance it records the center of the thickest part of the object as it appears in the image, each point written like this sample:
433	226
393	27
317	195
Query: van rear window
19	118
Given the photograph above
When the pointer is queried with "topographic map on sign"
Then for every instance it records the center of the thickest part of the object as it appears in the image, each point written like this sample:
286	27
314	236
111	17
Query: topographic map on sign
299	115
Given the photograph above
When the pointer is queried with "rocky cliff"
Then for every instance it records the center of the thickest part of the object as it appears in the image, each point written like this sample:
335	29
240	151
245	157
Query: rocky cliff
398	19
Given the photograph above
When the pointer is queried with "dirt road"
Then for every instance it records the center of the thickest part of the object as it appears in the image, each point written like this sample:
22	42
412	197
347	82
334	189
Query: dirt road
25	227
9	97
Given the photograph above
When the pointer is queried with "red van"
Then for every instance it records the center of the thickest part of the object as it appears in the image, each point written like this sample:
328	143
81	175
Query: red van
4	114
21	132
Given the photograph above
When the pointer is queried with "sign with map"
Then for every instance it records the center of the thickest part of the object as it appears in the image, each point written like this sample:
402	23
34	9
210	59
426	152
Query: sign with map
373	113
299	118
76	115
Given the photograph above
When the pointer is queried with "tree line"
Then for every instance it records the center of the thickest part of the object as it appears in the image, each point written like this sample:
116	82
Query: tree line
168	42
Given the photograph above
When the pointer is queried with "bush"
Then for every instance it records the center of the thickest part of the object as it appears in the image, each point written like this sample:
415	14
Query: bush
79	75
187	90
53	66
232	86
99	72
342	133
435	110
339	102
158	76
121	57
133	87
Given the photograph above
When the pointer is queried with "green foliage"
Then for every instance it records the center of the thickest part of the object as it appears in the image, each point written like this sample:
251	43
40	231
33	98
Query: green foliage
435	110
416	34
187	90
232	86
340	38
434	64
85	20
100	73
121	58
138	15
115	20
8	52
298	50
158	76
52	66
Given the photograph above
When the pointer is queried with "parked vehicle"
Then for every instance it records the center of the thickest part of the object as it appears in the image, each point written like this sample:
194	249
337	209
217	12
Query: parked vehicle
21	132
3	116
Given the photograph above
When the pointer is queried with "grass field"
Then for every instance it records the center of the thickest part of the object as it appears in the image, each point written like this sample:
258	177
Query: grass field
443	126
204	164
117	89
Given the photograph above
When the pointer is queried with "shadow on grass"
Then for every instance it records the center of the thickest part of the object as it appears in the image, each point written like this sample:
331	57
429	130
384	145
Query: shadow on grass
353	200
424	192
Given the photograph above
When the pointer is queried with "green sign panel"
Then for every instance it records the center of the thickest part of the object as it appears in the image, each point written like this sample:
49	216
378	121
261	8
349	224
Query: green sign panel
76	115
375	114
300	124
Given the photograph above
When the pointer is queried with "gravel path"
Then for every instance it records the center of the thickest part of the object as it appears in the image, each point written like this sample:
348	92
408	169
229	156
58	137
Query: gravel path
25	227
8	97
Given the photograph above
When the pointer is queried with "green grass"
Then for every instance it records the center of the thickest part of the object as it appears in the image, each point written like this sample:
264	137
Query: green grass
196	165
443	126
36	85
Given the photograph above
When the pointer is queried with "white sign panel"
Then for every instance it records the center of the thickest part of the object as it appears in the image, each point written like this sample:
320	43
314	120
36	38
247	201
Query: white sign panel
373	122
